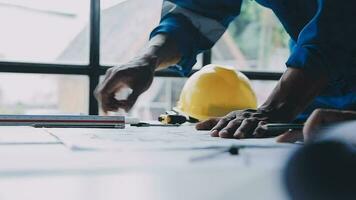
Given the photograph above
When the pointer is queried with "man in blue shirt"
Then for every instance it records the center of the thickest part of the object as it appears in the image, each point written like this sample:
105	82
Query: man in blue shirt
321	71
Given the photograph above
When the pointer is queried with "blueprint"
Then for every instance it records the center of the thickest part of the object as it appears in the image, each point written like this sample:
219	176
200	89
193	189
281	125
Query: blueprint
151	138
25	135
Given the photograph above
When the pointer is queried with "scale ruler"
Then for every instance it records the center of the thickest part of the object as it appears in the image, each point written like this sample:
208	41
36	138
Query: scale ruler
62	120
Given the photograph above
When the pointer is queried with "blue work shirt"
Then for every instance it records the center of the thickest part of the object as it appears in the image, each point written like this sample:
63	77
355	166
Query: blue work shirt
323	32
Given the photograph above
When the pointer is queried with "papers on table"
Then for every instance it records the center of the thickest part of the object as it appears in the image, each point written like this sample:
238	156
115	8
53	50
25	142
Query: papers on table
158	150
151	138
187	184
25	135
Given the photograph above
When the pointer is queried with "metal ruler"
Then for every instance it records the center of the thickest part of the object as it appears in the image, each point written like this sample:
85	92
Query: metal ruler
63	121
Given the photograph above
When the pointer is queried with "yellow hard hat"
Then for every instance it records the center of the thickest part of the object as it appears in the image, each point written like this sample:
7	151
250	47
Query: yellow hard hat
214	91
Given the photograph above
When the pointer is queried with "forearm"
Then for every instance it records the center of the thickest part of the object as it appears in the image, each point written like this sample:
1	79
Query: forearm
293	93
164	49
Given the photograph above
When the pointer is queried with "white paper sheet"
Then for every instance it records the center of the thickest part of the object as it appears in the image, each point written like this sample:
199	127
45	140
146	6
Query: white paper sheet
25	135
150	138
142	149
231	183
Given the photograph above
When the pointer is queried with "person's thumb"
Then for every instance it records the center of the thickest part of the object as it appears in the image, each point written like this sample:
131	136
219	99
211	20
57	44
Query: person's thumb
207	125
290	137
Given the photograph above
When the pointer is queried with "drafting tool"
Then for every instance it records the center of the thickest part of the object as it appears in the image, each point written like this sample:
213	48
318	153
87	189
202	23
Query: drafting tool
57	125
172	119
143	124
278	129
62	121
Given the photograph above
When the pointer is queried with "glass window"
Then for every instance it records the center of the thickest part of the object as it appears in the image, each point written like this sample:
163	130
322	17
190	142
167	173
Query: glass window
162	96
43	94
255	41
44	31
262	89
125	28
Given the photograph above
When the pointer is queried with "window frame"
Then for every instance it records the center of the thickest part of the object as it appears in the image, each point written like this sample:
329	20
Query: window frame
94	70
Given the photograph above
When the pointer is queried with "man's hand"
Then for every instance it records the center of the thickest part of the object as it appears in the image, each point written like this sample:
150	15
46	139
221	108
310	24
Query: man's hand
137	75
237	124
317	119
295	90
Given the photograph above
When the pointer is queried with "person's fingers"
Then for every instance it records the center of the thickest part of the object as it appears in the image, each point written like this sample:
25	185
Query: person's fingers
320	118
207	124
316	120
313	121
110	104
108	76
220	125
98	91
246	114
261	130
131	100
290	137
229	130
105	92
246	128
116	80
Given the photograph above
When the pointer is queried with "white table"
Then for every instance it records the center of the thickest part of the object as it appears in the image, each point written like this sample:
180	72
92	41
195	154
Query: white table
37	165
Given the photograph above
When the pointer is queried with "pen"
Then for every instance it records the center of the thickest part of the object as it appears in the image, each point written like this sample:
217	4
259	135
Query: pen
277	129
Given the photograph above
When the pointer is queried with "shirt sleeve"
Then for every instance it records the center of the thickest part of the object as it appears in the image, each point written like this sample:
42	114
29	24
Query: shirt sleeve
196	25
327	42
